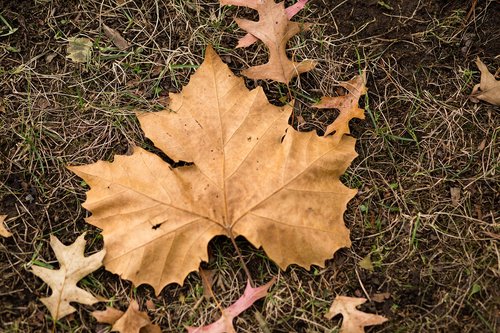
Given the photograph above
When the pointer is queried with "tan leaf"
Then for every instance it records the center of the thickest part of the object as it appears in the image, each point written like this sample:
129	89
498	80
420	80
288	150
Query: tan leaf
74	267
274	29
79	49
488	89
225	322
347	105
252	175
108	316
353	320
291	11
135	321
115	37
3	231
131	321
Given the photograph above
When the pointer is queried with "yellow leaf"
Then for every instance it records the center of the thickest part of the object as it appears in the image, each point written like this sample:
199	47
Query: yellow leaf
74	267
366	263
251	175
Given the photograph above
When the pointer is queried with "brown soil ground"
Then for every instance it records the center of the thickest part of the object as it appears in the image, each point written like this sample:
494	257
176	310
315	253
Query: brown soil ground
437	259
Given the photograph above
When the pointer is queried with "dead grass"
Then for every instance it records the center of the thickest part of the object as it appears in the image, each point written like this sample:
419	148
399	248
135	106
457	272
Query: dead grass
422	137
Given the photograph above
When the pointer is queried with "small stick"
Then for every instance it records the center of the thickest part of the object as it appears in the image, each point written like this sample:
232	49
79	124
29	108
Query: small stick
471	10
362	286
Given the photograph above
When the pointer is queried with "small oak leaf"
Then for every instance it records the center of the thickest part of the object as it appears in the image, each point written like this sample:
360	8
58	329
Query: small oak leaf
354	321
274	29
347	105
74	266
225	322
291	11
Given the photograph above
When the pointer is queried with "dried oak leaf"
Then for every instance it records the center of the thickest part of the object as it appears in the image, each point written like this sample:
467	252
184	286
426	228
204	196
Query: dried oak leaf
252	175
225	322
353	320
347	105
74	266
131	321
274	29
3	231
488	89
291	11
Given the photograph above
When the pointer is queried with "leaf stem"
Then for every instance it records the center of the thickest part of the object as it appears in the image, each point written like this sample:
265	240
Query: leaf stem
245	268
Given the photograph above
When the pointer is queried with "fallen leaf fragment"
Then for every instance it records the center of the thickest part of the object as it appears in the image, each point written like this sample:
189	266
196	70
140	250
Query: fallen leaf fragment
225	322
455	196
380	297
488	89
79	49
291	11
115	37
3	231
366	263
207	280
131	321
347	105
274	29
74	266
108	316
252	175
150	305
353	320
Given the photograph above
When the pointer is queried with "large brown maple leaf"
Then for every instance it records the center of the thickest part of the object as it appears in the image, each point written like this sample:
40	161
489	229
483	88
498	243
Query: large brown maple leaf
252	175
274	29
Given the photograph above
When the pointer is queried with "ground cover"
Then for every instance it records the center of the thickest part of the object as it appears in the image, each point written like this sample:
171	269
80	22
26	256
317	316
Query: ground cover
427	209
